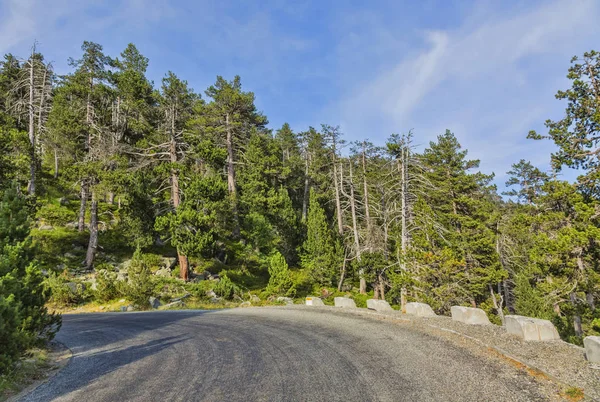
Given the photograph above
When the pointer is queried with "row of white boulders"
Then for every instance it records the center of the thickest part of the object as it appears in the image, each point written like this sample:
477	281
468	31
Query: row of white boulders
526	328
469	315
531	329
592	348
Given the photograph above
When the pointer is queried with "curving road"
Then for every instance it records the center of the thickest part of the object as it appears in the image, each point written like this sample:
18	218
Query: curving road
268	354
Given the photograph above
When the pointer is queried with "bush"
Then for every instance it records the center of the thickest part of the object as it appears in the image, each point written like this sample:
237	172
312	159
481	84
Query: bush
56	215
140	284
63	291
226	288
280	281
107	286
153	261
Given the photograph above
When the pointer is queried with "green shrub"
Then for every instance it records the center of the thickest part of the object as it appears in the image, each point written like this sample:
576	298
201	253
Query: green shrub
56	215
199	289
280	281
24	320
153	261
168	287
62	290
140	284
107	286
226	288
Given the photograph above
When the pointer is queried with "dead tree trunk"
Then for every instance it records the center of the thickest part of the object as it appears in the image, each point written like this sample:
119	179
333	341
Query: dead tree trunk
361	273
31	112
176	197
402	166
231	177
366	201
82	205
93	243
55	164
576	317
497	306
342	274
338	203
306	188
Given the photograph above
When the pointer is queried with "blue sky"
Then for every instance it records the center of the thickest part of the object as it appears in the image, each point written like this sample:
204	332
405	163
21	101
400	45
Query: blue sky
487	70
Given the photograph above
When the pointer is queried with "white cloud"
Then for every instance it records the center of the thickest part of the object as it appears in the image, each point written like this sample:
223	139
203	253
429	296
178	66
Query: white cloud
488	77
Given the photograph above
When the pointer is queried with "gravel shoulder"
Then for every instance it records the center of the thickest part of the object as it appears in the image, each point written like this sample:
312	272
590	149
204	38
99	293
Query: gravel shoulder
275	354
556	362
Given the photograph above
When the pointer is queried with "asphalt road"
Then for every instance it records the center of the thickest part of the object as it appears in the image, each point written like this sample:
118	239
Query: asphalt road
269	354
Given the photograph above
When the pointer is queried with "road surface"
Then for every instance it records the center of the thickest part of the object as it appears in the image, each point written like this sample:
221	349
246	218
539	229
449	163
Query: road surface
269	354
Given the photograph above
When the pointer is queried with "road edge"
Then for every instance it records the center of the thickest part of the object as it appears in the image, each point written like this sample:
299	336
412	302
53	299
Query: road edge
60	356
398	317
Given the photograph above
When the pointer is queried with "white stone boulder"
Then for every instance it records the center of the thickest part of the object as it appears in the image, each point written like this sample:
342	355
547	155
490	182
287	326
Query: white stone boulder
344	302
419	309
592	348
469	315
531	329
379	305
314	301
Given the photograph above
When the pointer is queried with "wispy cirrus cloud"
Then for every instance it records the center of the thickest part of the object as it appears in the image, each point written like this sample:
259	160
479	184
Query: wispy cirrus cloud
488	78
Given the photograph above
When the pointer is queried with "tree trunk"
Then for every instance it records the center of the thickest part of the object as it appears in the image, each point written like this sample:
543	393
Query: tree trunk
32	166
111	198
231	178
306	191
342	274
497	307
366	201
93	243
338	203
176	200
82	205
55	164
361	273
589	297
403	222
381	286
576	317
184	266
508	301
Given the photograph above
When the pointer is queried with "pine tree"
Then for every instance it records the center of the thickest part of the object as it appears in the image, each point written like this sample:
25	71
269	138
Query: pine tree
318	253
232	117
279	275
464	204
577	134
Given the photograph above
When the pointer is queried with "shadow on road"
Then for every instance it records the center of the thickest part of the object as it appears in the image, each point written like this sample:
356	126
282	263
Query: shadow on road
102	343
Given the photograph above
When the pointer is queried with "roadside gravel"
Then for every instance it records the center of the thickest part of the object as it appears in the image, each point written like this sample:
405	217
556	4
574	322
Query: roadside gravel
562	363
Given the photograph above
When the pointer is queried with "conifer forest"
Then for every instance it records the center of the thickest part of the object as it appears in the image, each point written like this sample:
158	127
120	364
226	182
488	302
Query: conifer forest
116	187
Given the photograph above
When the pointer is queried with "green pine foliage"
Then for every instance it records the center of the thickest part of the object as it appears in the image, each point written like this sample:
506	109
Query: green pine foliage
280	281
139	281
25	319
318	251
